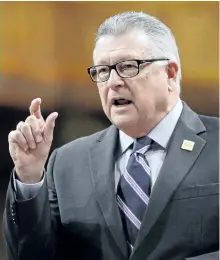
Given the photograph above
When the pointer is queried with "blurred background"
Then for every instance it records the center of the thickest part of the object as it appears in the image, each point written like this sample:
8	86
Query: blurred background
45	48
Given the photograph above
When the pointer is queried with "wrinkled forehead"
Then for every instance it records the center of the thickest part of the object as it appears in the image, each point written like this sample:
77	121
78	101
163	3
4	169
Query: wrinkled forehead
111	49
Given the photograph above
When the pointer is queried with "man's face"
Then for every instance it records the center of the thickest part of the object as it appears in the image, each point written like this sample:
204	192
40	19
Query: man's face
148	91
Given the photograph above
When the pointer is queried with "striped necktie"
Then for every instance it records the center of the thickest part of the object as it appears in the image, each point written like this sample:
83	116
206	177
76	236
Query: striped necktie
134	190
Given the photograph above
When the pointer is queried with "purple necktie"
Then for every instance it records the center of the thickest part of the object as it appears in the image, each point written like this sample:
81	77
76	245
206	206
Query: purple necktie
134	190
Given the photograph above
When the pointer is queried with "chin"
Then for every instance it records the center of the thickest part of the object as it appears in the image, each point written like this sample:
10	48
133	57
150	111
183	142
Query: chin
124	123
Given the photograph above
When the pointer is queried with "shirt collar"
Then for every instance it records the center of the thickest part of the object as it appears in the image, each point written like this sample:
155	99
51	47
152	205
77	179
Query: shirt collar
161	133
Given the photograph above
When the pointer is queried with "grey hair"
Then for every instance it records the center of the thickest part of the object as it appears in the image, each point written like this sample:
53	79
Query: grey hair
161	37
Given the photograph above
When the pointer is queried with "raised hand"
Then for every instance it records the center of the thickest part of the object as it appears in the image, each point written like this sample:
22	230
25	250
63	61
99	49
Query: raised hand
30	143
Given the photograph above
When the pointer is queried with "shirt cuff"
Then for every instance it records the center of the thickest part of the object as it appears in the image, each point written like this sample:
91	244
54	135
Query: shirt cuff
26	191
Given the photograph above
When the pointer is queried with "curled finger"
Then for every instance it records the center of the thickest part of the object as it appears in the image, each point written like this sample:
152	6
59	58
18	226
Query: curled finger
25	129
16	137
35	125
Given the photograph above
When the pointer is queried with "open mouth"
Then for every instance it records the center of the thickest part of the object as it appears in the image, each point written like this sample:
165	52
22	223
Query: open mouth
121	102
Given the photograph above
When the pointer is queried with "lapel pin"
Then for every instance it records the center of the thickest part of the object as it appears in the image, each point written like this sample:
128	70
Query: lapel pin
188	145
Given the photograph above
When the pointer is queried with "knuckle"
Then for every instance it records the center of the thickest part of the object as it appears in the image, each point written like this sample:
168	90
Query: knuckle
25	126
19	124
18	136
29	119
11	135
33	124
22	126
14	136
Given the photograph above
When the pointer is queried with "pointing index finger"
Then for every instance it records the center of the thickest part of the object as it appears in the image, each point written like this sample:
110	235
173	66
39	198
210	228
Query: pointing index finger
35	108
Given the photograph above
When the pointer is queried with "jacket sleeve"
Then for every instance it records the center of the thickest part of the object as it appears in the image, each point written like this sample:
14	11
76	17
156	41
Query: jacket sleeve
30	227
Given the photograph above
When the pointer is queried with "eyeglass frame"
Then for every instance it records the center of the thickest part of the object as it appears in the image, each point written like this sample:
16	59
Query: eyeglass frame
114	66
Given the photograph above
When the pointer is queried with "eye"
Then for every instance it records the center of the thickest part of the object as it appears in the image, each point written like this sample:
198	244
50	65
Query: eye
102	70
128	65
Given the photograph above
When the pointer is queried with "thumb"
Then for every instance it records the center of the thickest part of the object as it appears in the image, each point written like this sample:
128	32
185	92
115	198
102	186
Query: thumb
49	127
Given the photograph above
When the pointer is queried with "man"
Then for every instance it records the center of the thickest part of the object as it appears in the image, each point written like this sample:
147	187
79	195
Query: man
146	188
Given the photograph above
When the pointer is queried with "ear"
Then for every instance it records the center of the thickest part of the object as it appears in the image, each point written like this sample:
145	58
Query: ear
172	69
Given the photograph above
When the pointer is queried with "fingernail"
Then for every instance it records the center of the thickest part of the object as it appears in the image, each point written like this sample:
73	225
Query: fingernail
33	146
38	138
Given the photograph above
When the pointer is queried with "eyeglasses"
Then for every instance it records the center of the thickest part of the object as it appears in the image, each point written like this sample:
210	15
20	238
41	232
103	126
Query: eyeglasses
125	69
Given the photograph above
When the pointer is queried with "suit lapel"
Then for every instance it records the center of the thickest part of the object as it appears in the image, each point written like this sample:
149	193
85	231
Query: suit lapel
103	172
177	164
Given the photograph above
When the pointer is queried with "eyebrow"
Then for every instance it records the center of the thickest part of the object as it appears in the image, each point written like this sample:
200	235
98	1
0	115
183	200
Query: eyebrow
122	58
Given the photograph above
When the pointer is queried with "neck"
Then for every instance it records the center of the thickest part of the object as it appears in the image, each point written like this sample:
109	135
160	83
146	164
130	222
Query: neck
141	129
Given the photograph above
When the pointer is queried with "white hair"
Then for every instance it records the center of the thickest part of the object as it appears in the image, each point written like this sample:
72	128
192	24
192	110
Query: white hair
162	39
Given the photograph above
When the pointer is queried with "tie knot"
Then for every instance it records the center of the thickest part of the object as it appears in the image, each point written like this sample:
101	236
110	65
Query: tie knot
142	144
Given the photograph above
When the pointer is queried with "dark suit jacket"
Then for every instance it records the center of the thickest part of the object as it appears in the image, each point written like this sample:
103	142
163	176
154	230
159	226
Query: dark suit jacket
75	214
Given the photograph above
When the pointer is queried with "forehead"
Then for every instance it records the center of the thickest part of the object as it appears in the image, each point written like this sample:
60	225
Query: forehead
131	45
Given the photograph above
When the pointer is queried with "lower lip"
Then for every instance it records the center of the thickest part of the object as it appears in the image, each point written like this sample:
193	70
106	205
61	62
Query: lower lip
122	107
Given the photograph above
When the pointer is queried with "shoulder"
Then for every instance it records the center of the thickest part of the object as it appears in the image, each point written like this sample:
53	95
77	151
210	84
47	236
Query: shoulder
83	143
211	123
197	122
211	134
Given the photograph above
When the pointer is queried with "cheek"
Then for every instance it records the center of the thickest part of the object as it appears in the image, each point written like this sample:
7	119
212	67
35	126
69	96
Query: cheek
146	93
140	89
153	85
103	93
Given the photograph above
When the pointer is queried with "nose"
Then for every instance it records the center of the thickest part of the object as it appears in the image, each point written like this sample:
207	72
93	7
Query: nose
115	81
